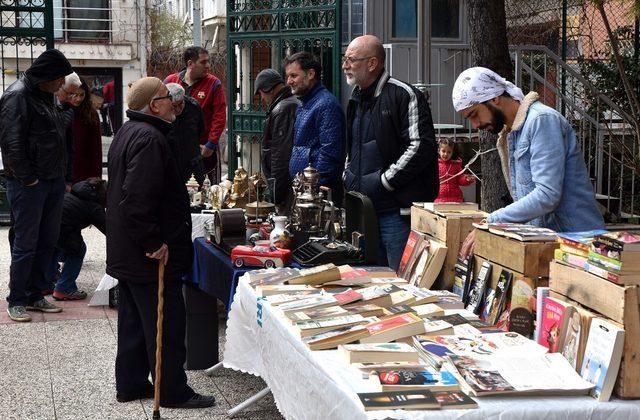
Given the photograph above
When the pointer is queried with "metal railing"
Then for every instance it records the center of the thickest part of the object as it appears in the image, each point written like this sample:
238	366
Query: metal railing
94	24
604	130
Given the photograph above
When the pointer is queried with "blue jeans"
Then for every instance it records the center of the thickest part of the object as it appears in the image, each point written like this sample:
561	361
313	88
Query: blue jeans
36	211
72	265
394	231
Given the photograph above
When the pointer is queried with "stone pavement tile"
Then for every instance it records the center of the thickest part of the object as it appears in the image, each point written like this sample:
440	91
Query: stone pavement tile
24	366
21	400
204	413
91	399
4	316
239	386
86	332
19	336
86	362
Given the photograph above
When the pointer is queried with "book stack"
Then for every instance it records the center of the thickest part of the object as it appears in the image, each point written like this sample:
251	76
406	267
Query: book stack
614	256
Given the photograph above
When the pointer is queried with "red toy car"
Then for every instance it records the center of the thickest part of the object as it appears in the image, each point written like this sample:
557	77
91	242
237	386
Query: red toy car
260	255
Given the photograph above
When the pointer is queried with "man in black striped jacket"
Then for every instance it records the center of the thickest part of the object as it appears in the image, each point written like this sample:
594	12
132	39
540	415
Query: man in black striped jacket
391	147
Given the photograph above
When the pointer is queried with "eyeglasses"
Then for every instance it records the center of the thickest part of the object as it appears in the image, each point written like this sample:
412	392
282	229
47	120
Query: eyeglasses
169	96
351	60
72	95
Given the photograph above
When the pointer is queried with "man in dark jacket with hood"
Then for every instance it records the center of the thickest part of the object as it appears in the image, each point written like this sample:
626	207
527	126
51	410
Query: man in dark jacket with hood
148	223
391	147
278	134
34	153
83	206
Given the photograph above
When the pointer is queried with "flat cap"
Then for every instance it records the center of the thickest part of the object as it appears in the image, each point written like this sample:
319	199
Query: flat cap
266	80
142	91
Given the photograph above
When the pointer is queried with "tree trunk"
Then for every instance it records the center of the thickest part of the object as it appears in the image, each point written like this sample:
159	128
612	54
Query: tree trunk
489	48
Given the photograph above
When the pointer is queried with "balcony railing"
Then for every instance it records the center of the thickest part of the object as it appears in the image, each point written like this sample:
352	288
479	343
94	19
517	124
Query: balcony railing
86	21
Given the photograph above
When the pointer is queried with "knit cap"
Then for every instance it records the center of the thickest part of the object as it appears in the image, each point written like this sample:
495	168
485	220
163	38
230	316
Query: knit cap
142	92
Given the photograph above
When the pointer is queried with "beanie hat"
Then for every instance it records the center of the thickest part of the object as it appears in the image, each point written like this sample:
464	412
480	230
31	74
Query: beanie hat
266	80
142	92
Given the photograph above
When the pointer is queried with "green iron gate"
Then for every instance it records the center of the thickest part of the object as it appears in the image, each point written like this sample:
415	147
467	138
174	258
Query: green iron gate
261	33
26	29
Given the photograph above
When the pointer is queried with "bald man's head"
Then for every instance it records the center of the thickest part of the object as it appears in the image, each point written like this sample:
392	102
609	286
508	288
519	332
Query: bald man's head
363	61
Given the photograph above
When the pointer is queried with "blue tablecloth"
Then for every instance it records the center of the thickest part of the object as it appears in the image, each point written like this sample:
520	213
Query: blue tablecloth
213	271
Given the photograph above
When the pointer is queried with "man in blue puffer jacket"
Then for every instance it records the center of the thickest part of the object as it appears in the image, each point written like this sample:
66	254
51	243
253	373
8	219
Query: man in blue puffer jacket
318	134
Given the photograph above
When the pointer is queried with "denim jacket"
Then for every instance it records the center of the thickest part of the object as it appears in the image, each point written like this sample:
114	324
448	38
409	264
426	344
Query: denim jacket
546	172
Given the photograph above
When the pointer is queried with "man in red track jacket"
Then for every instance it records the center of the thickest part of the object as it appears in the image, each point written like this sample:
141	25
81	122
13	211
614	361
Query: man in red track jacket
207	89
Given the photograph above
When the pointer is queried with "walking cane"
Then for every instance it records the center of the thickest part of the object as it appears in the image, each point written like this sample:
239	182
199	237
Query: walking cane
156	383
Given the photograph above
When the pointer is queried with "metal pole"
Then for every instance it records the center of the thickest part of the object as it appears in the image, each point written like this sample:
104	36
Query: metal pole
423	44
564	51
48	24
197	23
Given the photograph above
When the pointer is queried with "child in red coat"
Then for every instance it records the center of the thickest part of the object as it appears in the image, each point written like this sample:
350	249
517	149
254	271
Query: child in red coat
451	175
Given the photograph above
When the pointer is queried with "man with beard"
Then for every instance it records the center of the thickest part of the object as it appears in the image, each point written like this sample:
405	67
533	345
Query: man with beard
541	160
34	153
391	148
207	90
148	223
318	134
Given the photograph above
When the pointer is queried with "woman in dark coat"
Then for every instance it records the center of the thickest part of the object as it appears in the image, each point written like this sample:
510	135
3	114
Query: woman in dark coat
87	138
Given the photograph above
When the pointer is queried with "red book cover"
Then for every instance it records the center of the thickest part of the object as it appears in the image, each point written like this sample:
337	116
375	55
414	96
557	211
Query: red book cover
347	297
552	318
353	273
412	241
393	322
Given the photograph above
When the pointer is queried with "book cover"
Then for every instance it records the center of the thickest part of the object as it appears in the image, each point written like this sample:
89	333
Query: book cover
393	328
489	296
573	250
523	232
602	357
316	275
621	240
552	321
605	262
521	314
399	400
453	319
328	312
476	295
313	327
378	353
348	296
411	379
579	240
605	250
541	293
413	241
572	335
496	305
450	400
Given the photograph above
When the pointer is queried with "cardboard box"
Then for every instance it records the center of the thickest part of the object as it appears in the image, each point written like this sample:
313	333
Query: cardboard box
450	228
620	303
528	258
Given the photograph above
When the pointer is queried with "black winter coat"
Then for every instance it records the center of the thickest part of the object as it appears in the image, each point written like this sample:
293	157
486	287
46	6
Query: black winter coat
147	203
32	136
184	139
81	208
406	141
277	144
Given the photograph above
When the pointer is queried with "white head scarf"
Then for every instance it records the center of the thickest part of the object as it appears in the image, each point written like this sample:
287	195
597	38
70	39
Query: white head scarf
478	84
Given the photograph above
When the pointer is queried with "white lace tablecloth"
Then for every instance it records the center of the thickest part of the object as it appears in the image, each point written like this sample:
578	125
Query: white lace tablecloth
320	385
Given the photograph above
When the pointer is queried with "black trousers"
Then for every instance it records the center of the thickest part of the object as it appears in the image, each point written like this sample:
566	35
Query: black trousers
136	357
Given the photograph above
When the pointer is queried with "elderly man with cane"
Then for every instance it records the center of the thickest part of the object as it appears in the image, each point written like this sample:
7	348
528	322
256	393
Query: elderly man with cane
149	239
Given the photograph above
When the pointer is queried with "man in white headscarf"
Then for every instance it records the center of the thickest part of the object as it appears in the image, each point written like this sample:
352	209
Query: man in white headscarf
541	160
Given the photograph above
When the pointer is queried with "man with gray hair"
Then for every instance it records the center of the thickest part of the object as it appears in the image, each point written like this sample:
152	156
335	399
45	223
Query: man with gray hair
184	137
70	89
148	223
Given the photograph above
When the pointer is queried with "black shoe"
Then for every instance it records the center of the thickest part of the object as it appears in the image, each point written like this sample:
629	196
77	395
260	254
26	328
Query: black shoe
142	395
197	401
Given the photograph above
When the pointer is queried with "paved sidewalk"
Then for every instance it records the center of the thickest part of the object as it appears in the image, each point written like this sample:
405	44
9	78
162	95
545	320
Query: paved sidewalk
61	366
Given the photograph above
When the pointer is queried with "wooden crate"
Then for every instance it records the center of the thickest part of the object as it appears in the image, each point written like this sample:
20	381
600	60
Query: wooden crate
452	229
620	303
529	258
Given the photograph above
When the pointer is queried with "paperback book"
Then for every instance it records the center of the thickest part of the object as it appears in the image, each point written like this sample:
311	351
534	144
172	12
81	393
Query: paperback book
378	353
431	379
602	357
476	295
399	400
